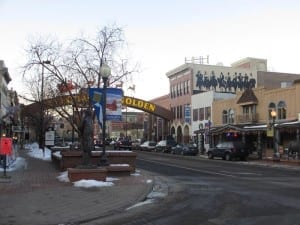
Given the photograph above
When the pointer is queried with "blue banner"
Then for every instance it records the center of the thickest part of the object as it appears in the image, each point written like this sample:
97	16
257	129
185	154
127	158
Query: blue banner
113	103
187	114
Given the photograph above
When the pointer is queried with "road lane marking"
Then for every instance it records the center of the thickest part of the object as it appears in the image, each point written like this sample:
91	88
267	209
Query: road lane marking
188	168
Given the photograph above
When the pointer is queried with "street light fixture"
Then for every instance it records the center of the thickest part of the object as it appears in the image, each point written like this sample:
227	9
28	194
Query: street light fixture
105	72
273	115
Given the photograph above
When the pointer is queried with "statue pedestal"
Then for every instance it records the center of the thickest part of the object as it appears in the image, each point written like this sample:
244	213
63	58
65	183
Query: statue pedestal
76	174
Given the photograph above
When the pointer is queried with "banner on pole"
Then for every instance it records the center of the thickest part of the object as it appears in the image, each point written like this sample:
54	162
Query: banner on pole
113	103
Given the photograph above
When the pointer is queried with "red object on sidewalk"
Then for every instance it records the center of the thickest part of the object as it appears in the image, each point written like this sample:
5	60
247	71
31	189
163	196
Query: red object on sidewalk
5	146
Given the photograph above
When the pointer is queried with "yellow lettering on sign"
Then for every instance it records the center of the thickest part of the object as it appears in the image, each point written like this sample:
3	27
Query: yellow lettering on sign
140	104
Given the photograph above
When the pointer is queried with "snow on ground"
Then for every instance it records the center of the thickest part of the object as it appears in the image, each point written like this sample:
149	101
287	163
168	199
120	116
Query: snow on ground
36	152
63	177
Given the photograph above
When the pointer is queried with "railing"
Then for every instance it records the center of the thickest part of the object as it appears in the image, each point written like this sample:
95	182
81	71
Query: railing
247	118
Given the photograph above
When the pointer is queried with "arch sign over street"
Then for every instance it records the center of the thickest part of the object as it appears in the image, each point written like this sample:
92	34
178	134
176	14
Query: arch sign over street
132	102
147	107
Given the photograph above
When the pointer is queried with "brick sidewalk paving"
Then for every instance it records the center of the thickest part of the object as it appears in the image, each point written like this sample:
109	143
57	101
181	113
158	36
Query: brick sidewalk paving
34	195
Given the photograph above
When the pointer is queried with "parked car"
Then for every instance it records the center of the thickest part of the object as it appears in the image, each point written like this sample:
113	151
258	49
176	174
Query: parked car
165	146
123	143
136	144
229	150
185	149
147	146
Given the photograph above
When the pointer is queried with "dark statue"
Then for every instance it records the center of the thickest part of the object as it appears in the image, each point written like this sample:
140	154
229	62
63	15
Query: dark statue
87	144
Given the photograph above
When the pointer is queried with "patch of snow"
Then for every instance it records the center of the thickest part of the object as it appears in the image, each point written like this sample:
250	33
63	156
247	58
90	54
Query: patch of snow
63	177
18	163
148	201
36	152
92	183
110	179
57	154
119	164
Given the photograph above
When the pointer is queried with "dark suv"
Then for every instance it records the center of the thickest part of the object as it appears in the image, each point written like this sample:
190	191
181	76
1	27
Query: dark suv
228	150
123	143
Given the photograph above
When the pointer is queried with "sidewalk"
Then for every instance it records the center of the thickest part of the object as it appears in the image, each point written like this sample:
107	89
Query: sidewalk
35	196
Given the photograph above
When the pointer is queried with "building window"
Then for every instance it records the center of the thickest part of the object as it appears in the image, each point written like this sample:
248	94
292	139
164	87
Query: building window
281	110
231	116
181	89
195	114
272	106
224	117
180	112
207	113
201	114
173	112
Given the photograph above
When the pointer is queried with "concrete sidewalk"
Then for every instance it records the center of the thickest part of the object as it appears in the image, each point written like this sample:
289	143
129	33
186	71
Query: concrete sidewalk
35	196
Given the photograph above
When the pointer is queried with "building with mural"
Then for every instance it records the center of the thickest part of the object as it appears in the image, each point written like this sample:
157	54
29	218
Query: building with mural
190	82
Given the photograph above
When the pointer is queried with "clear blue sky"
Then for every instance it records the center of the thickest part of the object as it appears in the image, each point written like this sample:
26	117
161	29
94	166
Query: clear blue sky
161	33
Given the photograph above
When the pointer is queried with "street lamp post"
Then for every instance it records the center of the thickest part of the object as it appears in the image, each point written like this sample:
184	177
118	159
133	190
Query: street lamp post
42	139
105	73
275	152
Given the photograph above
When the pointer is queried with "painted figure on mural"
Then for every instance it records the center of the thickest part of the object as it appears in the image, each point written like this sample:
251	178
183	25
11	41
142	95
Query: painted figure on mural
228	83
252	81
213	81
199	82
206	81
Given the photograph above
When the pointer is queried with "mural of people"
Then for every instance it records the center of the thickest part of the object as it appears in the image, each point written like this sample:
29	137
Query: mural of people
238	81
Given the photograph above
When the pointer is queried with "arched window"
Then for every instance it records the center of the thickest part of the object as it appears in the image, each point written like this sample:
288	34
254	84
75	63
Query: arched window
281	107
272	106
231	116
225	117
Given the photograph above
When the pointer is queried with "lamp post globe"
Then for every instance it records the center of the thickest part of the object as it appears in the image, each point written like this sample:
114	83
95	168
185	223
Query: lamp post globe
105	72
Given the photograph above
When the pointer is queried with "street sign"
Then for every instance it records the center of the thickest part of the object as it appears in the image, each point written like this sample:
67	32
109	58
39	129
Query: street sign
17	129
49	138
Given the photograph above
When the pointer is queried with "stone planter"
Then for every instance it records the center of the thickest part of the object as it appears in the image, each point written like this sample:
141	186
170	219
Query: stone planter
76	174
71	159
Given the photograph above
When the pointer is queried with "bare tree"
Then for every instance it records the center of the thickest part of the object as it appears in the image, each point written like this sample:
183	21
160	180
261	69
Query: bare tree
65	70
